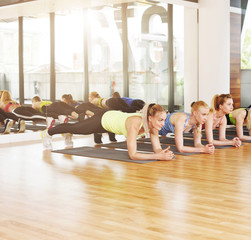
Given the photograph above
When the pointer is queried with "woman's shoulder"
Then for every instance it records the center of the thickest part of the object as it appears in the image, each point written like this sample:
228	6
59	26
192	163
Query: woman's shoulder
179	115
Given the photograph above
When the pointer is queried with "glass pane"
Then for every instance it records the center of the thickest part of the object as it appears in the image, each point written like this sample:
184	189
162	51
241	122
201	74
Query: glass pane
148	59
36	58
69	54
105	51
178	61
9	72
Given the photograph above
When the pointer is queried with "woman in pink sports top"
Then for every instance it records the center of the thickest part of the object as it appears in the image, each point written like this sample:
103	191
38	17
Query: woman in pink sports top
221	105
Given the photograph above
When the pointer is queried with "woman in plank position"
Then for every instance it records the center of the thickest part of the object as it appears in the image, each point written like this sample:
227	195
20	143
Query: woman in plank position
180	122
239	117
131	125
221	104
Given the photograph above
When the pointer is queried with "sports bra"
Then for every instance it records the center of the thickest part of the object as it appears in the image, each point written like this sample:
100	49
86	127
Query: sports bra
214	125
231	120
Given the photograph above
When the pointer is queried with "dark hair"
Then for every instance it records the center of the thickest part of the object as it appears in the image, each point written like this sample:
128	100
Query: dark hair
116	95
68	98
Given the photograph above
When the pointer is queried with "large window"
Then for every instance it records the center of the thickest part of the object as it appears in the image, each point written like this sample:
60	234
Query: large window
178	60
148	59
36	58
105	51
69	54
9	72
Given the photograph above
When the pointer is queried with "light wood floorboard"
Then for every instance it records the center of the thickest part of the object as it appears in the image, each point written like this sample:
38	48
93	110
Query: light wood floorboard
53	196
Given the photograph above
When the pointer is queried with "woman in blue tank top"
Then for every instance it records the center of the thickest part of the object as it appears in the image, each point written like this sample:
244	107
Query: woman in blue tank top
179	122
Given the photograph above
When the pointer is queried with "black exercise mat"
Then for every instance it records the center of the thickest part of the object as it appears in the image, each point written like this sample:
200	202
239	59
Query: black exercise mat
101	153
203	136
11	130
186	141
171	140
145	147
27	127
232	131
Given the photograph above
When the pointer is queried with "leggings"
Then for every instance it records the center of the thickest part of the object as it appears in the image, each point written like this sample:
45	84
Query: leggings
83	107
58	108
137	103
85	127
120	104
4	115
28	113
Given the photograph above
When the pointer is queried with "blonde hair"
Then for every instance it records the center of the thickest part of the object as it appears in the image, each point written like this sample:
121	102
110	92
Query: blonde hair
6	97
94	95
249	119
1	92
195	106
219	100
36	99
150	109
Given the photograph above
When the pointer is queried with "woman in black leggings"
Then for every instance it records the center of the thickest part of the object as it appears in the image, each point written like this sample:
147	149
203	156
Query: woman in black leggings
111	103
150	121
8	119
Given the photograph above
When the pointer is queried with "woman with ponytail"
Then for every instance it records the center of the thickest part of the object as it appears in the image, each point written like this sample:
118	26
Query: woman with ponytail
239	117
179	122
221	105
131	125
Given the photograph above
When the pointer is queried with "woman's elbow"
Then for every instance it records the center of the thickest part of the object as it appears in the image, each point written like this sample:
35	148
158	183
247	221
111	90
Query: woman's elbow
180	149
132	156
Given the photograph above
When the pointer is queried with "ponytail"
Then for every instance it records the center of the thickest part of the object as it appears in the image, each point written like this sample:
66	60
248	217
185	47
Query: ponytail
150	109
219	100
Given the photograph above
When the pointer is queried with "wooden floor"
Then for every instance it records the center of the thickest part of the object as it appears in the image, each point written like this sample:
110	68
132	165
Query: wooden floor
51	196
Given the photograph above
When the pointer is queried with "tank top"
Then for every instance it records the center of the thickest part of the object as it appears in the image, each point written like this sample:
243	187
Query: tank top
168	127
231	120
214	125
114	121
43	104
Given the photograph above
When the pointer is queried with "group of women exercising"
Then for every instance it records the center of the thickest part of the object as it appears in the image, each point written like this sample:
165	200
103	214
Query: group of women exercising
134	118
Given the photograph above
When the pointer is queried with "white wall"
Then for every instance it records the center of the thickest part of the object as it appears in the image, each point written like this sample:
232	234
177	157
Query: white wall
207	51
214	48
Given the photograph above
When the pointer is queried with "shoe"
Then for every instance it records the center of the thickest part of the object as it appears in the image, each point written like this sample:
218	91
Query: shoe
50	122
63	119
68	140
7	126
47	139
21	126
98	138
